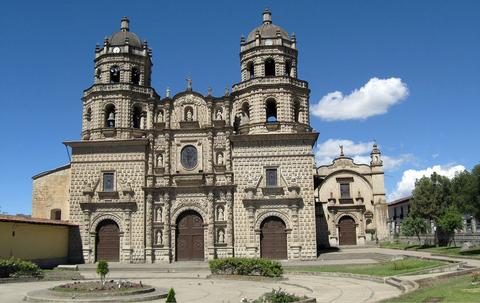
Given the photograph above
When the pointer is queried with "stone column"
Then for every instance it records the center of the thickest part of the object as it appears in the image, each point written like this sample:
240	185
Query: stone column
86	236
211	224
150	115
148	227
229	215
167	202
127	236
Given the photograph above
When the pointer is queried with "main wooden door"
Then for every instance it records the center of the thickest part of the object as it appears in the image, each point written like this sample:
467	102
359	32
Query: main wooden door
108	241
189	237
347	232
273	239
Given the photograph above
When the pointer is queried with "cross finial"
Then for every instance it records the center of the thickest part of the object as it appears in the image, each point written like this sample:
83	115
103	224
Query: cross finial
189	83
341	151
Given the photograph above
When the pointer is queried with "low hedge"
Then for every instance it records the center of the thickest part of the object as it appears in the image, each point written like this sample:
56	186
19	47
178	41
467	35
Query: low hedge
17	267
246	267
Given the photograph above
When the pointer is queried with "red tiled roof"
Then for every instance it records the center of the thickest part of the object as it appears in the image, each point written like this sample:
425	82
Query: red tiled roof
22	219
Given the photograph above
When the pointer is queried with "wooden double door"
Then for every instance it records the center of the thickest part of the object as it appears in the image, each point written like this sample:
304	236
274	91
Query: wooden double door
273	239
189	237
347	231
107	242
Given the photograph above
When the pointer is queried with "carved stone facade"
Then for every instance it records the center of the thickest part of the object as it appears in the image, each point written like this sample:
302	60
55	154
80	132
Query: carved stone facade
191	174
355	192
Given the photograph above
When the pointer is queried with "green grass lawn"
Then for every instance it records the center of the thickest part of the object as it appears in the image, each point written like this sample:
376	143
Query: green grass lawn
453	251
380	269
458	289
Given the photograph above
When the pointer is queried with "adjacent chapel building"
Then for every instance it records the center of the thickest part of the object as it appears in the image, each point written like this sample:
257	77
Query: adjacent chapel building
196	177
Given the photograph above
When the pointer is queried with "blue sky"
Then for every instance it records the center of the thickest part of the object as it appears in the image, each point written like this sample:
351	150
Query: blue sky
431	48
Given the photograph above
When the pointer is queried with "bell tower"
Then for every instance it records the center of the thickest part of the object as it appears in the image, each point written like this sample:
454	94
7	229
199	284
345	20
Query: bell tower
270	96
272	156
120	103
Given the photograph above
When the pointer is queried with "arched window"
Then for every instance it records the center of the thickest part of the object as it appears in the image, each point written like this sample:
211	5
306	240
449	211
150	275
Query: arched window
110	115
250	70
135	76
269	67
288	68
271	110
246	110
296	111
137	117
88	114
114	74
188	113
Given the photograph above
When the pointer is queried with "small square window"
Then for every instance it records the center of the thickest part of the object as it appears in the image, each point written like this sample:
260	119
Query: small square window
271	175
108	182
345	190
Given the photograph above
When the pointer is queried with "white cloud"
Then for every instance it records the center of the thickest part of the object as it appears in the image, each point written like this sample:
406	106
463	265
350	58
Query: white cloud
374	98
407	184
360	152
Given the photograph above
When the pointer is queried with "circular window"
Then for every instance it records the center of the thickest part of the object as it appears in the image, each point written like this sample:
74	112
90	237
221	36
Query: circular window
189	157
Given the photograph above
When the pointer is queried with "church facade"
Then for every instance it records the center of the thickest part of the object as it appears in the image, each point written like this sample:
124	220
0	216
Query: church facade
196	177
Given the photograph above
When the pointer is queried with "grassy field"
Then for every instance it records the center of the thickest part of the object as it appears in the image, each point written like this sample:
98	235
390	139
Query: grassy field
458	289
453	251
380	269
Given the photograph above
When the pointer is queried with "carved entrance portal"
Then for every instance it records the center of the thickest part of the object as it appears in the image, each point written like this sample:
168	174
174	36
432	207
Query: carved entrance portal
189	237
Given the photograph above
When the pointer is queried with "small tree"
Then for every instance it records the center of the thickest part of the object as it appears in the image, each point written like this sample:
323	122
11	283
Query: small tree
450	221
171	296
102	270
414	226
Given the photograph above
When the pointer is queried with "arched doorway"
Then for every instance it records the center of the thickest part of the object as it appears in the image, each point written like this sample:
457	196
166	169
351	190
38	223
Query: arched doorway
347	231
273	239
189	237
107	242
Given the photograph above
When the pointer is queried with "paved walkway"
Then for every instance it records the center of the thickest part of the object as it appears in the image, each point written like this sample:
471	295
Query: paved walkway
189	279
190	288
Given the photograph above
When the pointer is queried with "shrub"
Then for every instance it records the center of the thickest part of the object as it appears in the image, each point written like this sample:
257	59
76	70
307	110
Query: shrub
171	296
102	269
246	267
16	267
278	296
476	277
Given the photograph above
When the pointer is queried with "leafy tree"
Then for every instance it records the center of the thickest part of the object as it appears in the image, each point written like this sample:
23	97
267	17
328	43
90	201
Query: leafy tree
171	296
102	270
414	226
466	191
450	221
431	197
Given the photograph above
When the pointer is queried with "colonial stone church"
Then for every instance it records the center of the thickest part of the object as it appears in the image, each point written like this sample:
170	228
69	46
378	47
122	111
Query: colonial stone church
190	176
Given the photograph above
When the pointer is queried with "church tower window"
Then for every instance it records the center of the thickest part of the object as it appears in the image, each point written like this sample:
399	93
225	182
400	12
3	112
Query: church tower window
110	115
296	111
269	67
114	74
251	70
288	68
137	117
271	110
88	115
135	76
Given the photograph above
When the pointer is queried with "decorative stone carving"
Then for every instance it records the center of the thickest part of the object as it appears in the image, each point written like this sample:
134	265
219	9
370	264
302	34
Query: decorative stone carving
220	214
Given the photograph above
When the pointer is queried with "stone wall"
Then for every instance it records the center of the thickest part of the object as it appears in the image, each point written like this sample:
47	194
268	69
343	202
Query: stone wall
51	192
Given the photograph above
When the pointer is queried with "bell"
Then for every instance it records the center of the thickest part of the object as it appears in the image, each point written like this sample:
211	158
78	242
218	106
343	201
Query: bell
111	120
